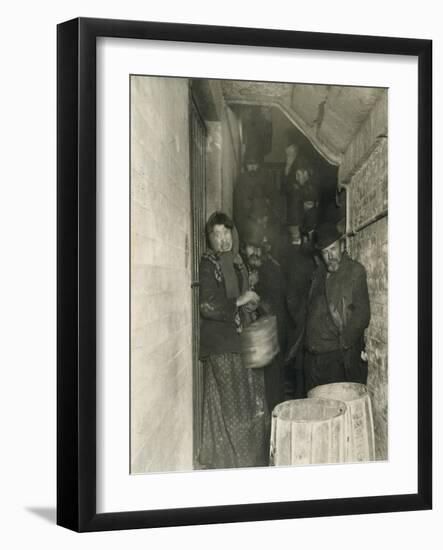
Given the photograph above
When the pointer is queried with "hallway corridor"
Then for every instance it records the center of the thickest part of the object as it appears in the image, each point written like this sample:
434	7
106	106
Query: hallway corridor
321	156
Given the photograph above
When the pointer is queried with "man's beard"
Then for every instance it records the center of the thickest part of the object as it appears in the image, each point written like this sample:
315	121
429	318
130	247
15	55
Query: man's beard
333	266
254	261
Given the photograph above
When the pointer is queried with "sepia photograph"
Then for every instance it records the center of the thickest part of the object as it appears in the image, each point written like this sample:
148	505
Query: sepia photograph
258	274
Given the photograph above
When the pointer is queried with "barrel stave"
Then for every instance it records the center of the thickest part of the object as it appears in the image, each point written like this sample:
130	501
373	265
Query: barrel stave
308	431
360	439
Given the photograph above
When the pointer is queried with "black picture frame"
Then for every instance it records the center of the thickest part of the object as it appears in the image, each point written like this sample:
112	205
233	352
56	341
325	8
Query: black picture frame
76	274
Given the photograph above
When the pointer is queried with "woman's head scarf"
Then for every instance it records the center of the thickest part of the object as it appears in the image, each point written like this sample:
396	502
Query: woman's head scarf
230	262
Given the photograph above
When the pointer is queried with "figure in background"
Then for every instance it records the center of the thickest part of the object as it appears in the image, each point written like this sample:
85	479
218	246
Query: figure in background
256	124
292	152
249	186
337	315
290	187
235	414
260	214
266	278
298	266
310	222
299	185
304	177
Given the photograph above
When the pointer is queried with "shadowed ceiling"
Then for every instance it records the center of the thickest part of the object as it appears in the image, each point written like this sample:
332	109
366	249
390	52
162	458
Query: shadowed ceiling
329	116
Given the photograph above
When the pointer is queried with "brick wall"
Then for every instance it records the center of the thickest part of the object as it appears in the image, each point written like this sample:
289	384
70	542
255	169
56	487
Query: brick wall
368	197
370	248
369	187
161	332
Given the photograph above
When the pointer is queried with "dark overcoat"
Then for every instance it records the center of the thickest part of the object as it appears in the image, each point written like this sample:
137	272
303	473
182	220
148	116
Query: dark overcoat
346	314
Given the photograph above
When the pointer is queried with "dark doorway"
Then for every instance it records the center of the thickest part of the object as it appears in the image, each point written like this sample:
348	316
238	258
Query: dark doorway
197	131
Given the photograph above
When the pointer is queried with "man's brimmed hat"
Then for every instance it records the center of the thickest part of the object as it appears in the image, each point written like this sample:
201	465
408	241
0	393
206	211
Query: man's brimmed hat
252	234
326	234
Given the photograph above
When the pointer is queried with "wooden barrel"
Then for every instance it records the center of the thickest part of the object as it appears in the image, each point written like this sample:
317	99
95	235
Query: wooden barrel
308	431
360	446
259	342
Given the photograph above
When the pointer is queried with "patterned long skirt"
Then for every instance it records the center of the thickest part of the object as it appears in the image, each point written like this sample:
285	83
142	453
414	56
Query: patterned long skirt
236	420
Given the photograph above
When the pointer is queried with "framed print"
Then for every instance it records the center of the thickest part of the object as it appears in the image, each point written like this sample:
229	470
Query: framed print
244	274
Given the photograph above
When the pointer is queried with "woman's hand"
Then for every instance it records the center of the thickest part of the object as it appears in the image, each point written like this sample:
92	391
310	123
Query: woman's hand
251	307
247	297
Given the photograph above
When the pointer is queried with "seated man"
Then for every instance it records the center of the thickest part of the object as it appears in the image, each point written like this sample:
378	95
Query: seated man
337	315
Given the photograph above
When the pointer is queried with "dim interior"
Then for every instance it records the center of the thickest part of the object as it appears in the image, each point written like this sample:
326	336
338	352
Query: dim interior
189	138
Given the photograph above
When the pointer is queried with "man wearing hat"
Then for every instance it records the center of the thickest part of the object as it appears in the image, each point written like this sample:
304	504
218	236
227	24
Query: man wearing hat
337	315
266	279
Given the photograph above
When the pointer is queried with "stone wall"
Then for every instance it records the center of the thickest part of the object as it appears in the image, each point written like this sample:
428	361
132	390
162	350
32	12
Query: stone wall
368	204
161	322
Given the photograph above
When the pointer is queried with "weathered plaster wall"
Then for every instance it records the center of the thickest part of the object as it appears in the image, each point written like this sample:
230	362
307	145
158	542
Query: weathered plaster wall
222	144
231	162
213	167
161	341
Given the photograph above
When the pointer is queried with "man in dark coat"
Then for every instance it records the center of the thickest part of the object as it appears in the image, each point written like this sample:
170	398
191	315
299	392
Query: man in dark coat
310	222
305	181
290	186
298	185
266	279
337	315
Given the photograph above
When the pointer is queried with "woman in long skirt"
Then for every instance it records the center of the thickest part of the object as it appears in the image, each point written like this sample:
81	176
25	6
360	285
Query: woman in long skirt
235	414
